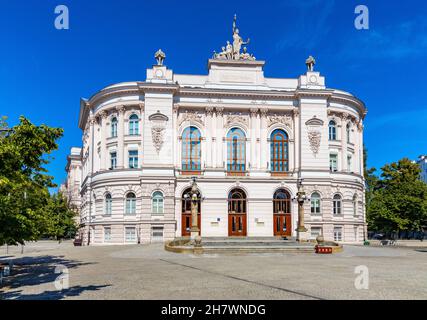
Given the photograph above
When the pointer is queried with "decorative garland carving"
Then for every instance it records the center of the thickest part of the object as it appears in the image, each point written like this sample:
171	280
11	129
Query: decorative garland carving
281	119
236	118
191	117
314	137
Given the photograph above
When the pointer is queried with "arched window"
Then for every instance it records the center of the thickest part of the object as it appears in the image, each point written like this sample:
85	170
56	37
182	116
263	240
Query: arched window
191	149
186	201
348	132
108	204
281	202
337	204
130	203
133	125
236	151
157	203
237	201
315	203
332	130
355	205
114	127
279	151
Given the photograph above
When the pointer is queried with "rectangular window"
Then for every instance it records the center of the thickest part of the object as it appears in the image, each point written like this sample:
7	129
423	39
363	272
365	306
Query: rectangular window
133	159
315	232
333	162
130	234
315	205
131	206
349	163
107	234
338	234
157	234
113	160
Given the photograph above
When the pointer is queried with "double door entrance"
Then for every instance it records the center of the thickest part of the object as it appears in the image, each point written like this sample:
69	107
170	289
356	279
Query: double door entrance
282	225
186	224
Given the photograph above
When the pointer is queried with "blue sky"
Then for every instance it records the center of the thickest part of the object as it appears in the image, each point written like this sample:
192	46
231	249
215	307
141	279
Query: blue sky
44	71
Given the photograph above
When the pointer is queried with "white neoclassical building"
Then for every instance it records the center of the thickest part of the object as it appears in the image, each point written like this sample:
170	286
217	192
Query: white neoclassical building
245	137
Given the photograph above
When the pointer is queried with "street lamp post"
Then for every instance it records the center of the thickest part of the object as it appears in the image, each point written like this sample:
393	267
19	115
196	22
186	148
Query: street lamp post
301	198
194	231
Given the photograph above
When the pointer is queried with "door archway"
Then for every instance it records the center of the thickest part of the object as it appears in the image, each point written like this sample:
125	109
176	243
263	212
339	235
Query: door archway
186	212
282	222
237	213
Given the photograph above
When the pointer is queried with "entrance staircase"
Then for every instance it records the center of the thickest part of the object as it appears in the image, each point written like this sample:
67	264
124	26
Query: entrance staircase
236	245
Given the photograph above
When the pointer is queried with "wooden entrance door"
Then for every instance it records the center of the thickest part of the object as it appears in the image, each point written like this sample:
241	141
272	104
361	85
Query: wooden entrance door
282	225
186	224
237	225
237	213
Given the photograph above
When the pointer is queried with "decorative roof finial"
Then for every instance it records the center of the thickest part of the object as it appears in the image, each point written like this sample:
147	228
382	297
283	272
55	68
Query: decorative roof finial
160	57
310	62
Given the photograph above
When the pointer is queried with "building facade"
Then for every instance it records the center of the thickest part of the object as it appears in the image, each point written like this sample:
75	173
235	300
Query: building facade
245	137
422	162
71	187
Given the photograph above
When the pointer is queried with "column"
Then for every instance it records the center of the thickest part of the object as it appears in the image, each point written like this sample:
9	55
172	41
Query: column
258	140
214	140
263	139
121	137
297	142
104	133
208	133
220	137
359	131
343	143
176	155
253	119
141	132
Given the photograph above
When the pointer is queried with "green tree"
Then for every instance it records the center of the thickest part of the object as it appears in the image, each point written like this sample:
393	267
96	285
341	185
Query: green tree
371	180
24	183
399	202
61	218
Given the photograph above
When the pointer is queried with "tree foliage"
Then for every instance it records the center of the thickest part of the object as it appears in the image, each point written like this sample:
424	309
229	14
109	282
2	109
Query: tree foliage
399	199
25	201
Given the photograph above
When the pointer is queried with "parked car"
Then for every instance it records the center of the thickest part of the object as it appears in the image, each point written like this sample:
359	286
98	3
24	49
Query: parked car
77	242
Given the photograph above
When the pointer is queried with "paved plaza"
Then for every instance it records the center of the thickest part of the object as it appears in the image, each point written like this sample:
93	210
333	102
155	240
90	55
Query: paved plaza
149	272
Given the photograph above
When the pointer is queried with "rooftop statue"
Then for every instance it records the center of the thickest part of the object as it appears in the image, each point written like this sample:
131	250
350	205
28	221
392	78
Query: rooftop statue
310	62
232	51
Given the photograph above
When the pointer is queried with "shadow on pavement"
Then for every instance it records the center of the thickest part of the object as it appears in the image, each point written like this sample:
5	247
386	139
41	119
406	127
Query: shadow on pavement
34	271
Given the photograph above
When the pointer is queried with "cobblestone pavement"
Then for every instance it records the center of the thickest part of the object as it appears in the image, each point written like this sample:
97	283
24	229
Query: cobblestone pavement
149	272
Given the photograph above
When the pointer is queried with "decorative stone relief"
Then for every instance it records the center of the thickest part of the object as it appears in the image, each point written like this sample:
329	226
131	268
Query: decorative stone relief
158	127
236	118
314	138
281	119
314	134
191	117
